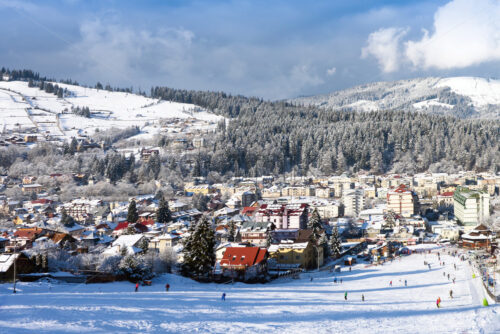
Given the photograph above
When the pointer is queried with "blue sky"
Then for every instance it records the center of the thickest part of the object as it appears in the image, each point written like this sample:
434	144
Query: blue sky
270	49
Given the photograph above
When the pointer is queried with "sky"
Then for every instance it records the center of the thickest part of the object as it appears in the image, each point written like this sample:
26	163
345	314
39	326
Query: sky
270	49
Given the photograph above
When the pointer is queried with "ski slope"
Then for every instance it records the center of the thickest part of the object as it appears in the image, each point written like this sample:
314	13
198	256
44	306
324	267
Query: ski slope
32	107
283	306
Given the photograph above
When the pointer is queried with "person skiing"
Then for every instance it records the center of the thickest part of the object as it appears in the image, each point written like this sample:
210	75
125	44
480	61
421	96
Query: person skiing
136	286
438	302
311	278
350	268
453	280
390	283
335	280
167	287
406	283
341	281
363	298
223	298
429	265
345	295
448	277
451	294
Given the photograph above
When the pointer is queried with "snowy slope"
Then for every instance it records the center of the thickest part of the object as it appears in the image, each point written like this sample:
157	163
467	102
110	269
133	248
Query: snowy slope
31	106
466	97
283	306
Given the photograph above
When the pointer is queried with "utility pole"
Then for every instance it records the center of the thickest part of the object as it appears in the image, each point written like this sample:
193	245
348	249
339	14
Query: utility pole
15	250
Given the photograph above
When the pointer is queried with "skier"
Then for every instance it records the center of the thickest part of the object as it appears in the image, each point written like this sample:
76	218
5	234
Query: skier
223	298
363	298
429	265
341	281
335	280
444	274
345	295
448	277
451	294
390	283
453	280
350	268
311	278
438	302
406	283
167	287
136	286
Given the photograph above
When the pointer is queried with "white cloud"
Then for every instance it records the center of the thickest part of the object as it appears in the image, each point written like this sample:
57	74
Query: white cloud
384	45
105	48
465	33
331	71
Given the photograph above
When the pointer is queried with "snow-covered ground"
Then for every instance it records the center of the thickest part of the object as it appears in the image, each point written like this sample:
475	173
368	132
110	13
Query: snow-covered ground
108	109
283	306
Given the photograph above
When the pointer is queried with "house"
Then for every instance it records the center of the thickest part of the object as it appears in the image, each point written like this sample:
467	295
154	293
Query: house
289	254
23	265
478	238
254	233
146	154
32	188
26	236
162	242
125	243
244	263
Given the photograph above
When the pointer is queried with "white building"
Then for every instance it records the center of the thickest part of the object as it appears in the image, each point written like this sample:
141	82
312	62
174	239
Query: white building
354	202
471	207
402	201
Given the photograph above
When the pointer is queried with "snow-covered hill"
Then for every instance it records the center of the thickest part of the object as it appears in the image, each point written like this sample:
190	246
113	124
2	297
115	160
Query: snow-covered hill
465	97
24	107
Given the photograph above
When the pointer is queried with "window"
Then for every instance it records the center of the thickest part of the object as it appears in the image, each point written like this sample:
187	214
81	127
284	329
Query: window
297	257
282	257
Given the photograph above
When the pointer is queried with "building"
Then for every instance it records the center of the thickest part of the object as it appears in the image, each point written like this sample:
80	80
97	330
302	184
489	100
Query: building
294	216
402	201
354	202
471	207
244	263
289	254
478	238
254	233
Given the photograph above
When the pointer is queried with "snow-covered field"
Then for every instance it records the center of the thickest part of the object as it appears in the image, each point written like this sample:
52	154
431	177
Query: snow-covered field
108	109
283	306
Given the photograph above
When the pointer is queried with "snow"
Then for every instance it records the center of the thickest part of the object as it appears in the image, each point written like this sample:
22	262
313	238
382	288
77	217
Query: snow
108	109
481	91
284	305
430	103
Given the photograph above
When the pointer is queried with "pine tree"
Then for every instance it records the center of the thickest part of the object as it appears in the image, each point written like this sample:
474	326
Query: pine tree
163	215
66	219
199	251
335	243
132	215
231	232
314	223
269	240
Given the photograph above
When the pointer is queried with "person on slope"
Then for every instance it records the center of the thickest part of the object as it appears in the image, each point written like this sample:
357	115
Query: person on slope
345	295
451	294
406	283
136	286
223	298
167	287
390	283
362	297
438	302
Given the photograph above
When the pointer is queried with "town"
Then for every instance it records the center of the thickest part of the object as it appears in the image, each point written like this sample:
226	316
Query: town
262	228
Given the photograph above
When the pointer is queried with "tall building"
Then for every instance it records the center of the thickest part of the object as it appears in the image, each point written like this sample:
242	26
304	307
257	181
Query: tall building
354	202
471	207
402	201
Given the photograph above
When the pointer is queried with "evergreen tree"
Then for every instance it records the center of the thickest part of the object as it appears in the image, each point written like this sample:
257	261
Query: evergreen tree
199	251
269	239
314	223
231	232
132	214
66	219
335	243
163	215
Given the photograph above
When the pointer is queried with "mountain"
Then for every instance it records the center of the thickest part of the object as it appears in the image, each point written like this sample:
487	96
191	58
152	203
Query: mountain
81	111
464	97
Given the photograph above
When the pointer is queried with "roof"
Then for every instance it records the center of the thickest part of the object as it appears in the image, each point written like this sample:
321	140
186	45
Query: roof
6	261
243	256
28	233
127	240
121	226
447	194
